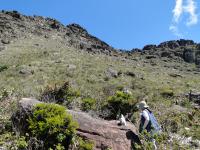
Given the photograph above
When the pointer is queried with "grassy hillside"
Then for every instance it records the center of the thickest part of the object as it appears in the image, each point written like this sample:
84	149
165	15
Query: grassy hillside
28	66
32	64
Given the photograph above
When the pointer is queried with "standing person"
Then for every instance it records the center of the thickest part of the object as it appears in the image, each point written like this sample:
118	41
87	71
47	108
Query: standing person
148	121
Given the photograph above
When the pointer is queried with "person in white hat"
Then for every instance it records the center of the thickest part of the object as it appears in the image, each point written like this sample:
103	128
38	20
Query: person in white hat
145	122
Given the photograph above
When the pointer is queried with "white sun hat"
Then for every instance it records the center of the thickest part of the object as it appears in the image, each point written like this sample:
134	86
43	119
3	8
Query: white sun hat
142	105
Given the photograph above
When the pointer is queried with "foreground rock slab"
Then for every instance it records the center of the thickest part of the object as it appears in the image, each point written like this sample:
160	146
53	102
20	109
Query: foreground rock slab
105	134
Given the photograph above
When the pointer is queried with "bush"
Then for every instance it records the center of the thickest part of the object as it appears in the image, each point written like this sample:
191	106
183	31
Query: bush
88	104
120	103
51	124
85	144
3	68
61	95
167	92
21	143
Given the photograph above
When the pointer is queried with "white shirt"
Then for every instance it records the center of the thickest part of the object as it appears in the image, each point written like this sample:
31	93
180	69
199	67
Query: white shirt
145	114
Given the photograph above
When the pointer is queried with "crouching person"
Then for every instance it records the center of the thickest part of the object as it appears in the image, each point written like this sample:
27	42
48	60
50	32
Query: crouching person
148	122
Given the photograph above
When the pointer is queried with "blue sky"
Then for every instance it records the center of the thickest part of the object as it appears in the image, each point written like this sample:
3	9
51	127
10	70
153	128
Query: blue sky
123	24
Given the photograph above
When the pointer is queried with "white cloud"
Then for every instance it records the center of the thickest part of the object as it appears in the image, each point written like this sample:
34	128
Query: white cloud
191	9
174	29
183	7
178	10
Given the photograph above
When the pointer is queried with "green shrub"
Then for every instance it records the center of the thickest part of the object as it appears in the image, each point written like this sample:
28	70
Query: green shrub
85	144
167	92
61	95
3	68
88	104
60	147
21	143
120	103
51	124
145	139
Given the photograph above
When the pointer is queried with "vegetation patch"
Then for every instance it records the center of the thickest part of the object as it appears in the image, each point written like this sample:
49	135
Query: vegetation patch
88	104
120	103
84	144
3	68
50	123
61	95
167	92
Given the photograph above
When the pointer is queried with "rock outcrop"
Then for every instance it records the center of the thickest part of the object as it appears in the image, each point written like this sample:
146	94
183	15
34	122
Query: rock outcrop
186	50
105	134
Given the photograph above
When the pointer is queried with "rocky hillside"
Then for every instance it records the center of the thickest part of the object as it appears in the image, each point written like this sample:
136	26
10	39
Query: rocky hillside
14	25
187	50
38	56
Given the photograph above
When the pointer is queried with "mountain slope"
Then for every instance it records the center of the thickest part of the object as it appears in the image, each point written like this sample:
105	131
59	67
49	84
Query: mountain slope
37	52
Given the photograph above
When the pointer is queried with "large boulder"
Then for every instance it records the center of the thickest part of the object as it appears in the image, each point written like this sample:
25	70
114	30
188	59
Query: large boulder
189	55
105	134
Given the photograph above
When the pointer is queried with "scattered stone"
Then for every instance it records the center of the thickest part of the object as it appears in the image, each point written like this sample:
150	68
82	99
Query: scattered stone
175	75
5	41
58	61
26	71
129	73
112	73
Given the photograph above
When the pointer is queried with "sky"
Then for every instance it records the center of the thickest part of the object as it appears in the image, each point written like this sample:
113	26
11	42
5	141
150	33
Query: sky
123	24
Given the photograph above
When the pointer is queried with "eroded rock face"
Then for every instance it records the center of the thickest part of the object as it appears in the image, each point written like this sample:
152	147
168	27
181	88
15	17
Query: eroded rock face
105	134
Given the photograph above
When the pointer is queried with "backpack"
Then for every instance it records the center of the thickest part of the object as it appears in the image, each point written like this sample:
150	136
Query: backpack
154	123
